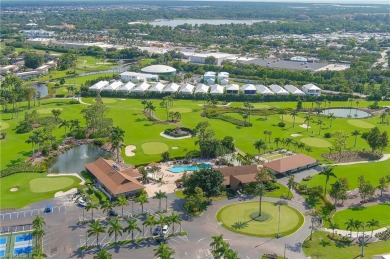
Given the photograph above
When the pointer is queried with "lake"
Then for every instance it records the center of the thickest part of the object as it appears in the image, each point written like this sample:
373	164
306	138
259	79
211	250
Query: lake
41	88
176	22
74	159
346	113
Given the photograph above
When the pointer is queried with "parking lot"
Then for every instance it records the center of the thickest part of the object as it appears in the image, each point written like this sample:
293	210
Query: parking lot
29	213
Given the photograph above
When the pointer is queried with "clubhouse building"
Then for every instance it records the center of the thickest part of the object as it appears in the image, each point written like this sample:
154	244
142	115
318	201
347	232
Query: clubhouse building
291	164
235	177
114	180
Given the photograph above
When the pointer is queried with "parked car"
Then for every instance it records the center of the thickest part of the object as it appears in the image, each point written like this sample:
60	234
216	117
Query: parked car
113	213
165	229
157	231
82	203
48	209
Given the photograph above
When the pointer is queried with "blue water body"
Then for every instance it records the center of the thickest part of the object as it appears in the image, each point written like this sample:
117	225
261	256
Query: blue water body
179	169
2	253
3	240
346	113
22	238
22	250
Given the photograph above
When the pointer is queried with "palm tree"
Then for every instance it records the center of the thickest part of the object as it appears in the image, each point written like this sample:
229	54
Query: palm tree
65	124
294	114
175	219
277	141
38	234
259	144
117	135
217	242
261	191
231	254
164	251
115	228
161	195
320	122
122	201
269	133
282	112
106	206
150	221
331	117
290	184
38	254
131	226
38	222
222	250
103	254
333	226
372	223
91	206
328	172
307	120
350	225
31	139
142	199
355	133
95	229
383	116
358	224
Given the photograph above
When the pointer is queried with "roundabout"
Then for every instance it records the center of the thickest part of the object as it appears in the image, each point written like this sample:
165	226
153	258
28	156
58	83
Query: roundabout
243	218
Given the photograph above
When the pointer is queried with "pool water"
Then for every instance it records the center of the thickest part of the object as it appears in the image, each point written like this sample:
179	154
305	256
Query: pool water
3	241
22	250
179	169
346	113
23	238
2	253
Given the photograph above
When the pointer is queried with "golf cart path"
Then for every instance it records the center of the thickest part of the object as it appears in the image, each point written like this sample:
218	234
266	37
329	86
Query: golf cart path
384	158
347	232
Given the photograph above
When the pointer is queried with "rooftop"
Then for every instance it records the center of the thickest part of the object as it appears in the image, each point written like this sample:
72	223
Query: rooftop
289	163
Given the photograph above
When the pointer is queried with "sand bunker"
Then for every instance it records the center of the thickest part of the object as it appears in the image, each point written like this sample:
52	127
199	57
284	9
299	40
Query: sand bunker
175	147
62	193
129	150
295	135
304	126
14	189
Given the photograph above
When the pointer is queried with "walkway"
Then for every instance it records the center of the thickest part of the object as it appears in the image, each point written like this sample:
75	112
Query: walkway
354	233
384	158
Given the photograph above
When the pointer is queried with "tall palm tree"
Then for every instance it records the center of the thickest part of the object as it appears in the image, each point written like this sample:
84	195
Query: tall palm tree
294	115
290	184
277	141
350	225
355	133
102	254
150	221
142	199
320	122
65	124
38	234
38	222
358	224
288	141
260	191
164	251
31	139
217	242
175	219
372	223
328	172
131	226
282	112
331	117
117	135
231	254
307	120
91	206
265	132
222	250
259	144
333	226
114	227
107	206
122	201
95	229
161	195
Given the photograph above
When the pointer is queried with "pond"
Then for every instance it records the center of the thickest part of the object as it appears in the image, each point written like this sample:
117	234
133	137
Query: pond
41	88
176	22
346	113
74	159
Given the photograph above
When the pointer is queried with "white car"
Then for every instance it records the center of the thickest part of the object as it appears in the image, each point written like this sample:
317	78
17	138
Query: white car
165	230
82	203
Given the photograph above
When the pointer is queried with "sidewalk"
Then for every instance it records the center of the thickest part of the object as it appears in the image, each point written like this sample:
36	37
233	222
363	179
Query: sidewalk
354	233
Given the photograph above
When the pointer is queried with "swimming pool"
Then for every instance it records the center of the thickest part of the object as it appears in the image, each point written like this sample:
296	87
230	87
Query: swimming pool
2	253
22	250
23	238
3	240
179	169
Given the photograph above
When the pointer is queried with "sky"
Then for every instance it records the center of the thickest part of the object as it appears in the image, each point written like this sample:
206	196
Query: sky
367	2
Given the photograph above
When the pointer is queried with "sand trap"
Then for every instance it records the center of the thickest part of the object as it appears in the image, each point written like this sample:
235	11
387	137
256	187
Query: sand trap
295	135
123	99
175	147
162	134
61	193
129	150
14	189
304	126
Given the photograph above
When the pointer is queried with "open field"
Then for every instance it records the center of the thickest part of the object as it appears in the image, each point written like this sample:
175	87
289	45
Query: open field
237	218
32	187
323	248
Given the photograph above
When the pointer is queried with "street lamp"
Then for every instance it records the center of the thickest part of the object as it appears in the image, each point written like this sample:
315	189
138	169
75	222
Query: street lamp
279	203
362	253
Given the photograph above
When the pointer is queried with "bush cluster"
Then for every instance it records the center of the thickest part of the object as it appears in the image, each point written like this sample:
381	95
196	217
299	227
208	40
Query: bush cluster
21	168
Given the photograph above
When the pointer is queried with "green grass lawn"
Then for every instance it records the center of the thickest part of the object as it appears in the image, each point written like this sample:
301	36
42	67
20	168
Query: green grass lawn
316	142
33	187
371	171
378	212
236	217
153	148
323	248
283	190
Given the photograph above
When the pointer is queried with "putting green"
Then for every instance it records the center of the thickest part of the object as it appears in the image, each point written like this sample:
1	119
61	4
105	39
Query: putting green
109	100
361	124
3	125
316	142
259	106
290	118
181	110
154	148
237	218
47	184
48	110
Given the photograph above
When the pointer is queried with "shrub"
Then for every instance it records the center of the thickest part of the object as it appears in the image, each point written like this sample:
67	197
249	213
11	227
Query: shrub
60	95
178	132
384	235
99	141
21	168
3	134
80	134
54	146
24	127
73	101
327	135
281	124
307	178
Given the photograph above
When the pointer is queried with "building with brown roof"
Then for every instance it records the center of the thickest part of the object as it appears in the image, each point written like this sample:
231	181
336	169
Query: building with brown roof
113	179
291	164
236	176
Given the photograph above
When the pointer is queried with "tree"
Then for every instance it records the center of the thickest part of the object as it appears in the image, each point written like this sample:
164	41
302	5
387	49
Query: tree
150	221
65	124
277	141
327	172
66	61
38	234
91	206
210	60
260	191
372	223
122	201
333	226
339	190
350	225
209	180
95	229
217	242
33	60
373	139
56	113
132	225
294	114
382	185
142	199
117	135
38	222
307	120
290	184
102	254
355	133
164	251
282	112
174	218
331	117
107	206
165	156
366	189
196	202
114	227
161	195
340	141
320	122
259	144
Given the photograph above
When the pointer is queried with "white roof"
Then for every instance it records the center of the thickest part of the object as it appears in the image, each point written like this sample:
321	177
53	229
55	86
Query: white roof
99	85
224	74
248	87
311	87
216	89
224	81
127	87
158	69
262	89
171	88
210	81
292	89
142	87
113	86
232	87
187	88
201	88
277	89
156	87
210	73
